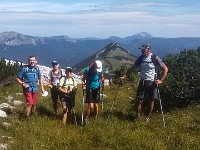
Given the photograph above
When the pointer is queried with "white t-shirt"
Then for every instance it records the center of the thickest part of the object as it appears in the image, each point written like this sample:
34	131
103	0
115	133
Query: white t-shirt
148	69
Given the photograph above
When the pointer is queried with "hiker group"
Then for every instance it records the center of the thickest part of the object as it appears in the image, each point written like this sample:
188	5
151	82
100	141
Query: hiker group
63	85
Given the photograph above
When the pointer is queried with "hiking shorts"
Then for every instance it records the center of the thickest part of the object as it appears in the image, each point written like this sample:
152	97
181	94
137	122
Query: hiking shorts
92	95
68	101
147	90
54	94
31	97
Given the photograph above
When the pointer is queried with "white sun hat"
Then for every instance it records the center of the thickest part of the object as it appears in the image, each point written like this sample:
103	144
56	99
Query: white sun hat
99	65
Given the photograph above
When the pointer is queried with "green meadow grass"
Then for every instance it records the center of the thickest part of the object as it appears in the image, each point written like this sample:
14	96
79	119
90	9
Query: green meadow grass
122	131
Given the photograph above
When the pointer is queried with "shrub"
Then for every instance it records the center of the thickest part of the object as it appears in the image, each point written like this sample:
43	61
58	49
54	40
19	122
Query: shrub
182	86
8	71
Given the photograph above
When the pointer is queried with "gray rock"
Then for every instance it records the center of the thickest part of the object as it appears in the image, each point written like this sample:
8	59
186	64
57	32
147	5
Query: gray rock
9	99
17	103
5	124
3	146
2	113
19	93
7	108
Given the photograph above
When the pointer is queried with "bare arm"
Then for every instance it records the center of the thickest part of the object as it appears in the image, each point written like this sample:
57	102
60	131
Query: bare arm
49	83
102	78
84	78
164	74
62	90
41	84
21	82
133	67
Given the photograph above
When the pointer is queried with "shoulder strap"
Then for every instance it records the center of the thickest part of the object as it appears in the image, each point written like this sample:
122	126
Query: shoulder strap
153	58
88	74
65	80
51	74
61	73
25	68
139	60
155	62
37	70
73	81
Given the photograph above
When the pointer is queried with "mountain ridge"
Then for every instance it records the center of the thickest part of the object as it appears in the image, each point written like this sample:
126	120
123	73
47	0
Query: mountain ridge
70	51
112	56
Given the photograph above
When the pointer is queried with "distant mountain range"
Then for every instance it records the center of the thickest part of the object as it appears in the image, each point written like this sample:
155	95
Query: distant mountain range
70	51
112	56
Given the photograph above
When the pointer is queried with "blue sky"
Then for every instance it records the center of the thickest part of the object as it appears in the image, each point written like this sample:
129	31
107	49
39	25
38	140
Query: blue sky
101	18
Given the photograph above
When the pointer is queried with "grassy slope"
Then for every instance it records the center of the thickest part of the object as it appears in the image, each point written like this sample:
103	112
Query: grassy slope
121	131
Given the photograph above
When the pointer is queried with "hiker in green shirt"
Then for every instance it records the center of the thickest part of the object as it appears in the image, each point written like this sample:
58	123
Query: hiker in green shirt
67	87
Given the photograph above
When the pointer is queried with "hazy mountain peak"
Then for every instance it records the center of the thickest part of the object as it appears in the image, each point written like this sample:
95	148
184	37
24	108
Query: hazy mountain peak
63	38
142	35
10	34
14	38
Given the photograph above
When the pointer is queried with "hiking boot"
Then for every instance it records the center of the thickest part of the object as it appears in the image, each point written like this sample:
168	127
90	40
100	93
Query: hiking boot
147	119
55	113
86	121
138	116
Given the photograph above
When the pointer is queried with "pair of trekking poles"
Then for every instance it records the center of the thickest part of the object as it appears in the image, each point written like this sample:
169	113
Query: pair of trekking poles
159	98
101	96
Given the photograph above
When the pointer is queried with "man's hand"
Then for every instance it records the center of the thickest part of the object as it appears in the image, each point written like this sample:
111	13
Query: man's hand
122	78
158	82
25	85
50	86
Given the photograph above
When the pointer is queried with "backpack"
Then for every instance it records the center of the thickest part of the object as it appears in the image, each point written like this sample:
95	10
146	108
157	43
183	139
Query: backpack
90	73
153	59
35	70
66	80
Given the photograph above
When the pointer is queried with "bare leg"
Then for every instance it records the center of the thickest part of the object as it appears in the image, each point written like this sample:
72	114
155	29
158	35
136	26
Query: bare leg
96	109
88	110
34	109
64	114
28	110
55	106
139	109
151	107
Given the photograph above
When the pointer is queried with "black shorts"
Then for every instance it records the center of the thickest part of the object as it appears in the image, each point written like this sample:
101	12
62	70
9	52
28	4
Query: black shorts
68	101
147	90
54	93
92	95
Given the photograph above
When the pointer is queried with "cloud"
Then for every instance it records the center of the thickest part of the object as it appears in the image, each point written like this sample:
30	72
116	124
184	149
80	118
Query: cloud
97	19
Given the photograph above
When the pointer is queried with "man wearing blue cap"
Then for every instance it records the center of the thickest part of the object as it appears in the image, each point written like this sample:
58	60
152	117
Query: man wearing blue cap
149	81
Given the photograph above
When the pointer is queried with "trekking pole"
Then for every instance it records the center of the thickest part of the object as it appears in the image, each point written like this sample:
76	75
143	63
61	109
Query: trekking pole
102	91
113	102
158	91
83	102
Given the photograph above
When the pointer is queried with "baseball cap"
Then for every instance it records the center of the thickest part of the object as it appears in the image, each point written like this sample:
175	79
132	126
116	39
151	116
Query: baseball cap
145	46
69	69
99	65
54	62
